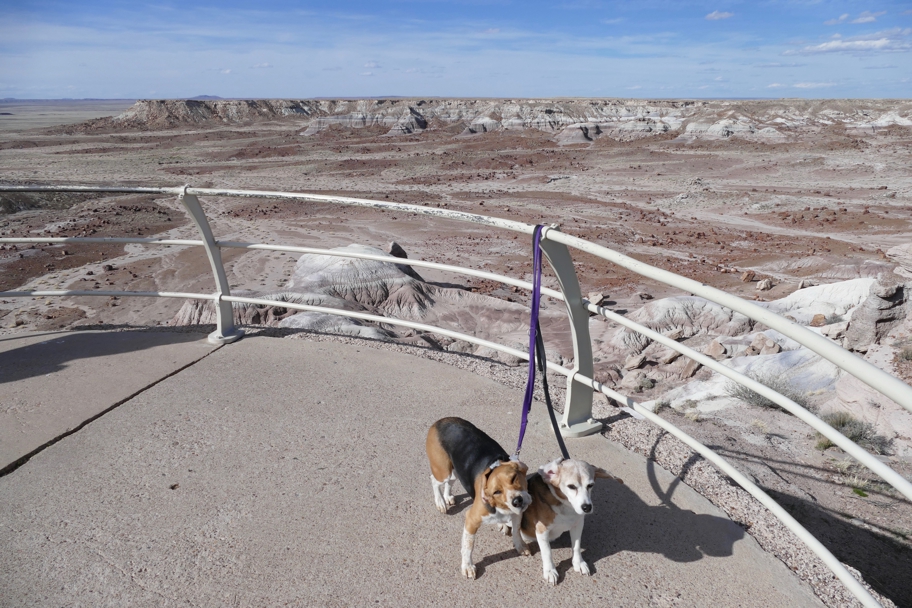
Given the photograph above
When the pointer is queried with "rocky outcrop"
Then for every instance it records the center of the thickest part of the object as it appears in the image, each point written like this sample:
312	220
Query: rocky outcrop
390	290
690	315
570	120
887	305
902	255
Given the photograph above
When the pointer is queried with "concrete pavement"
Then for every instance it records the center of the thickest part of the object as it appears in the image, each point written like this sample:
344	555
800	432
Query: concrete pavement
51	382
280	472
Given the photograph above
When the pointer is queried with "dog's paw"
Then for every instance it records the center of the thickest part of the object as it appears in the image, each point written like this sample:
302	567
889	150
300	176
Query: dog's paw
505	529
551	576
582	568
468	571
524	550
450	501
441	506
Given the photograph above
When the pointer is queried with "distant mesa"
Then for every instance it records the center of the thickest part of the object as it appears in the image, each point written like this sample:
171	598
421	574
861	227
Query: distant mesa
571	121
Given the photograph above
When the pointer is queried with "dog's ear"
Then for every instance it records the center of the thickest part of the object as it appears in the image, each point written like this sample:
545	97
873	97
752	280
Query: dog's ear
551	472
521	466
603	474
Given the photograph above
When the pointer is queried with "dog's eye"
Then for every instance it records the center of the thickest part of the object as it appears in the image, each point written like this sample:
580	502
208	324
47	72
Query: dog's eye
571	486
497	492
590	485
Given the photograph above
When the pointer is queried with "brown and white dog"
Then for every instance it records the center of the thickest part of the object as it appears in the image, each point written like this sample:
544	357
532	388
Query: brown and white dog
561	498
457	449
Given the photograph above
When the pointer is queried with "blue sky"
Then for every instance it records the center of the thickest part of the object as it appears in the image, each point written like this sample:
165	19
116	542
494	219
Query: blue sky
587	48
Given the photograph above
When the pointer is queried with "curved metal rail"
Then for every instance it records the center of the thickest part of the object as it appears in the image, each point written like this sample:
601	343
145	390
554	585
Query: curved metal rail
873	376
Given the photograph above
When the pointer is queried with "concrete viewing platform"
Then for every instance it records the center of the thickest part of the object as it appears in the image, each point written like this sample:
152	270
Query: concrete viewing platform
285	472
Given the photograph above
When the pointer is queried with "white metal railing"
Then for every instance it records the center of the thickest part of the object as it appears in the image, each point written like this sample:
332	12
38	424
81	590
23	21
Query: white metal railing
577	416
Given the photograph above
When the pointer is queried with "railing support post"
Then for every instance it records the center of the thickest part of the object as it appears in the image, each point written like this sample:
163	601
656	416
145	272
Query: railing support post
577	420
225	331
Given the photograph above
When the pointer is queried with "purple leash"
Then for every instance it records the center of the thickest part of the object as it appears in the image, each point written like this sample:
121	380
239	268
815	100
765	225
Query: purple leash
536	341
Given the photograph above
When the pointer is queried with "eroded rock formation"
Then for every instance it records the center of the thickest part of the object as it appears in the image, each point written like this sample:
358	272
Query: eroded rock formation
570	120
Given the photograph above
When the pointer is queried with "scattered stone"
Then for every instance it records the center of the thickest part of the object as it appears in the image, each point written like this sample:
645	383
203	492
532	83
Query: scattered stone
771	348
819	320
107	267
690	369
759	341
644	296
597	298
747	276
669	356
461	346
807	283
674	334
715	349
765	285
635	361
835	331
637	381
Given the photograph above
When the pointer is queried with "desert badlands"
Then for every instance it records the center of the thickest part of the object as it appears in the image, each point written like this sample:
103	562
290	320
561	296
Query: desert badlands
804	206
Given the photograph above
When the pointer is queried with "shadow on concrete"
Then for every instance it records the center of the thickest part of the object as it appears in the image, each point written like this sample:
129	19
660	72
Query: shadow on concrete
57	349
621	521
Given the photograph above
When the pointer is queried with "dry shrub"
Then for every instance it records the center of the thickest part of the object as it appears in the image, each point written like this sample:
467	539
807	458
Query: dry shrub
862	433
752	397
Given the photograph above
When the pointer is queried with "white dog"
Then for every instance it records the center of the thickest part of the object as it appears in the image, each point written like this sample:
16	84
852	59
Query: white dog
561	498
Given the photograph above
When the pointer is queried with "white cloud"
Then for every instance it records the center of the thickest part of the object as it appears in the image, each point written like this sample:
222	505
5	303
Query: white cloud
895	40
716	15
492	30
801	85
841	19
612	21
868	17
780	65
261	66
372	65
225	71
367	73
634	87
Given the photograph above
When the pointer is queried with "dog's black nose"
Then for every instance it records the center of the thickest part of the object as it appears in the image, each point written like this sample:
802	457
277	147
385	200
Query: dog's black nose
518	502
587	508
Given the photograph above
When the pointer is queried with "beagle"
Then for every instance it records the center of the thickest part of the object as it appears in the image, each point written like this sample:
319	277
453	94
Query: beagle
457	449
561	498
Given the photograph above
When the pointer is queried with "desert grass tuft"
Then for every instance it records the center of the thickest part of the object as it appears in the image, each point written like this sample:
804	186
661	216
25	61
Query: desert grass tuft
752	397
862	433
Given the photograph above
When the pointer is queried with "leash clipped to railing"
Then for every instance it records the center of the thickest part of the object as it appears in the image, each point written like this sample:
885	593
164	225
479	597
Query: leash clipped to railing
537	344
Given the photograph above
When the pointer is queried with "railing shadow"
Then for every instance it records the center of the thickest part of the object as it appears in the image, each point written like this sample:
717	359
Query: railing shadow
883	562
53	353
678	534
